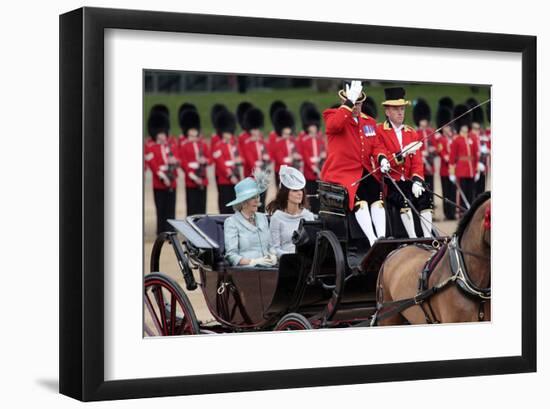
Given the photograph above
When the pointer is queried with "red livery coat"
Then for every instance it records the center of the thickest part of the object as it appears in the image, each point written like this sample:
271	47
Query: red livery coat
351	147
464	156
411	165
158	160
190	154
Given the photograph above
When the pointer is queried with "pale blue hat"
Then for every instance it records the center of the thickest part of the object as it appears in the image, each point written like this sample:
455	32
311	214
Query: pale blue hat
246	189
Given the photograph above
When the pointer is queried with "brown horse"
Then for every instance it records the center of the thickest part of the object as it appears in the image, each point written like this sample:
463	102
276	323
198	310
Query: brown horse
399	276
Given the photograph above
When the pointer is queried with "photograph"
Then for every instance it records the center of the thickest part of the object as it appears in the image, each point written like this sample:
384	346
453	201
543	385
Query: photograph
275	203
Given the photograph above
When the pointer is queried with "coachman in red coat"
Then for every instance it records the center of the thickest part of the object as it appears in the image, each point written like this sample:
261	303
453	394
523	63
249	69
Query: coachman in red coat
402	144
352	151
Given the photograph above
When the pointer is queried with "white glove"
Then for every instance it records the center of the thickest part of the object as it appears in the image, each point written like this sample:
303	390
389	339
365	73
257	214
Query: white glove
417	189
411	148
269	260
384	165
354	90
256	261
480	167
272	259
476	177
484	149
452	178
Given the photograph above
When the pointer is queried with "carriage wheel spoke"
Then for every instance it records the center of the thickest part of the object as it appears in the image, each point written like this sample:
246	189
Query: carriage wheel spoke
156	321
173	308
160	302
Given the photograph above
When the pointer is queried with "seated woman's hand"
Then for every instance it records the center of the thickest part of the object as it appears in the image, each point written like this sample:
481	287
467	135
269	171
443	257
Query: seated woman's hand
269	260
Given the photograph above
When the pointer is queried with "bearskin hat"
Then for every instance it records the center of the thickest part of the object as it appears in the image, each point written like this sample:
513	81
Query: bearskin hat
186	106
282	119
477	113
275	106
241	111
444	116
369	107
215	110
225	121
421	110
253	119
459	110
160	108
189	119
447	102
157	123
304	107
310	116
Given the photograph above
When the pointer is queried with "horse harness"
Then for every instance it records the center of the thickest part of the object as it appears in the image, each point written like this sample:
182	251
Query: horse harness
459	275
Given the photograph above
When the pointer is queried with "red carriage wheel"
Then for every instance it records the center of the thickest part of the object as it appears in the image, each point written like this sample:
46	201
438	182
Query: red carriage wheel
167	310
293	322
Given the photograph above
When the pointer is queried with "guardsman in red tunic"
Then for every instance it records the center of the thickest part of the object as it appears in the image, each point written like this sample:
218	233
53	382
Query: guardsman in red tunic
286	150
254	151
273	137
312	147
422	116
464	156
214	111
150	141
353	151
227	160
194	159
163	163
444	116
402	142
478	135
242	108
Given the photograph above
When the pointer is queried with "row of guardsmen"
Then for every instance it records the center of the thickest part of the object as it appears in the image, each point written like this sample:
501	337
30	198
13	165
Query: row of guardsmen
464	158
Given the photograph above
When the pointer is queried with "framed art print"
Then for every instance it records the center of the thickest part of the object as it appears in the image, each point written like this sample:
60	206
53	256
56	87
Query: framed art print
158	298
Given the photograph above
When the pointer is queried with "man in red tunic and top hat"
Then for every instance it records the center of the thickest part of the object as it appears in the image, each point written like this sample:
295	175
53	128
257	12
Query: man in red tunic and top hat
353	151
402	144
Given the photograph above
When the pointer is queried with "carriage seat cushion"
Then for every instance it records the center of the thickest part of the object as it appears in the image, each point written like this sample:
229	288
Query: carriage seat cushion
213	228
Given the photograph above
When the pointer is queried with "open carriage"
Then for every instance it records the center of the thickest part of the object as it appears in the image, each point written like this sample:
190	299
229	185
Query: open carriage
329	282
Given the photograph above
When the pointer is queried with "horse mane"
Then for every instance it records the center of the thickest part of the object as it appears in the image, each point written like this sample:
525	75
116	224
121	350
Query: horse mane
467	218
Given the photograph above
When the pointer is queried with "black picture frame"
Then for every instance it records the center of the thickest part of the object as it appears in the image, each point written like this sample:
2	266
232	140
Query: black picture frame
82	200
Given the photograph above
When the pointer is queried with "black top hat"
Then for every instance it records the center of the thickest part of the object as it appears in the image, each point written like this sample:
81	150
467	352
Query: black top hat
395	97
282	119
310	116
421	110
459	110
241	110
447	102
369	108
275	106
189	119
157	123
225	121
253	119
444	116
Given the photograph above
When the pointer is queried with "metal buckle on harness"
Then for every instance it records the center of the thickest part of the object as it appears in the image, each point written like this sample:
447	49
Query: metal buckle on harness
416	300
221	288
436	244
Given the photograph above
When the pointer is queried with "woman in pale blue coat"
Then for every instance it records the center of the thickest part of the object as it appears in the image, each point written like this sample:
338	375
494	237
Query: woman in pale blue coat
246	233
287	209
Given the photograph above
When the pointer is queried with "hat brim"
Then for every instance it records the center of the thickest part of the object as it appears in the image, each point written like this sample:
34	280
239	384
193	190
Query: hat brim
245	197
362	98
396	102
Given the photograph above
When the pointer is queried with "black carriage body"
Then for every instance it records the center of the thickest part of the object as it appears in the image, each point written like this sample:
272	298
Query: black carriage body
331	279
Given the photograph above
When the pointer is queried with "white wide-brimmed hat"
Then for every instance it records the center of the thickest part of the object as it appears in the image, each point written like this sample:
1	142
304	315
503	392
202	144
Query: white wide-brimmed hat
292	178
